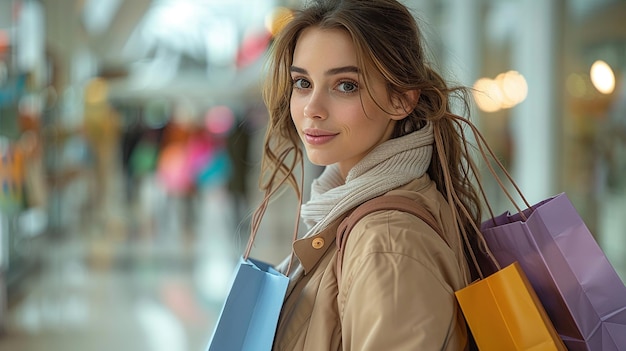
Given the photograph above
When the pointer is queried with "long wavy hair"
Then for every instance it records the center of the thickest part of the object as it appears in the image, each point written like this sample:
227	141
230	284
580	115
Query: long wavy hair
387	38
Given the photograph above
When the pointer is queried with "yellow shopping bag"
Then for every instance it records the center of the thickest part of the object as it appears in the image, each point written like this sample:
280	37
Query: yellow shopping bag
504	313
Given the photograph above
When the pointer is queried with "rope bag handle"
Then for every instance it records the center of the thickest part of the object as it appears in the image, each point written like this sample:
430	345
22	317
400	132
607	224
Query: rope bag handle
488	156
271	191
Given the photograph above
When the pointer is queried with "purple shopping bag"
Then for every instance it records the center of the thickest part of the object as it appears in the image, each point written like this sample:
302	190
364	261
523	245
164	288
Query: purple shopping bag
580	290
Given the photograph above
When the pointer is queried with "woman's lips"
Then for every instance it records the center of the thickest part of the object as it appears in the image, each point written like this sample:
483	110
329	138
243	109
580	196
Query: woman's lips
318	136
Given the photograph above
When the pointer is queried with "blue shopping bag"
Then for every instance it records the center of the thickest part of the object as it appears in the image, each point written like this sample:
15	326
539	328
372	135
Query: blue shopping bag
249	317
250	313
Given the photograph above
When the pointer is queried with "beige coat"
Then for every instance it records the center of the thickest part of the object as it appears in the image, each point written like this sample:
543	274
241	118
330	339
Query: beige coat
397	288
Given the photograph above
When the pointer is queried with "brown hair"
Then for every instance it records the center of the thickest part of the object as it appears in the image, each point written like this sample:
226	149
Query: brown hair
387	38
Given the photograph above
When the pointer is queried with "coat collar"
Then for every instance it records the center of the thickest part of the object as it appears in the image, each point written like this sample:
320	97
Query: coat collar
310	250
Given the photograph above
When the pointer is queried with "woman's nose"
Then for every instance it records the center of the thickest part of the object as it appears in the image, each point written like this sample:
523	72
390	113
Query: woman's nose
315	107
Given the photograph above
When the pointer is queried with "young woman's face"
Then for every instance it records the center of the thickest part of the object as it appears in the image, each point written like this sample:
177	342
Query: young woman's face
336	118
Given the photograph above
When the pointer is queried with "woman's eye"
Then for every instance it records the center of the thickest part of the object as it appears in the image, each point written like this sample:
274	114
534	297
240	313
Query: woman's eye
301	83
347	87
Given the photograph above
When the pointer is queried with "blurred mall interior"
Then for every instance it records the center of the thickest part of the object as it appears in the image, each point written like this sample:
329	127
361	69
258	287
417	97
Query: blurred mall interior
131	130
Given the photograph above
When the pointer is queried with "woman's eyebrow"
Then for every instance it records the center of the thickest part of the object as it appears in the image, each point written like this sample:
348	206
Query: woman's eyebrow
295	69
330	72
345	69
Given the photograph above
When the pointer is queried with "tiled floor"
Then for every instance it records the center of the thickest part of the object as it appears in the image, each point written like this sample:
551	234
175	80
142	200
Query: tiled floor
129	291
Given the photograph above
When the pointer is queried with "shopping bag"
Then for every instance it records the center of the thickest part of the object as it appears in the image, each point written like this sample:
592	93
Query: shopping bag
249	317
250	313
504	313
579	289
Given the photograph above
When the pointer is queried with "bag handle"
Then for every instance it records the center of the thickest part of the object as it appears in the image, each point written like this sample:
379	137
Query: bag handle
271	191
385	202
488	156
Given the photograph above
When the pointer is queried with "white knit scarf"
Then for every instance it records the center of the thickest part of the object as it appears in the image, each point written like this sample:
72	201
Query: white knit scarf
390	165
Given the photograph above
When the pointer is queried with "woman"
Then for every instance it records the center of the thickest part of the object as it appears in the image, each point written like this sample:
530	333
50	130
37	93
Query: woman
349	81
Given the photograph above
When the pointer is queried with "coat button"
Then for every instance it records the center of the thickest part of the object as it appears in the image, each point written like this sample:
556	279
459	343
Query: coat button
318	243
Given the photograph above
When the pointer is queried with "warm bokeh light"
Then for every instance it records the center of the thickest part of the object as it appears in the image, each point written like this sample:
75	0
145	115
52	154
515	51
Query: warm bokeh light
487	95
277	19
514	88
505	91
602	77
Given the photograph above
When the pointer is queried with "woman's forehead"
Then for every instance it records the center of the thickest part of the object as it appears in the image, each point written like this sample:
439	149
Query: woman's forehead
352	49
324	47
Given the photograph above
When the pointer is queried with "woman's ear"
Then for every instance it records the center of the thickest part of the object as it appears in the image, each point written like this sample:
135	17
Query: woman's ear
405	103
